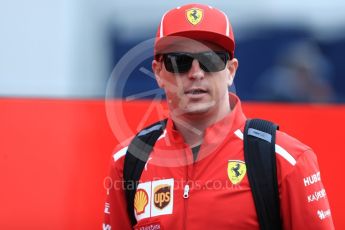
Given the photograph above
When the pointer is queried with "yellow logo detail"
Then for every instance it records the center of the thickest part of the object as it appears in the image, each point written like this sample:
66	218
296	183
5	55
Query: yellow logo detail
194	15
140	201
236	171
162	195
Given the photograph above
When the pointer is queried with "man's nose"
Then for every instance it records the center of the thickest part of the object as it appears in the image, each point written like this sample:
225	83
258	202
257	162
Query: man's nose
195	71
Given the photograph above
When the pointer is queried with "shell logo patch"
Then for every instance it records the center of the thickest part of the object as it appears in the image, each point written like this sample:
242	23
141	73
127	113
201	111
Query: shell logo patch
236	171
162	196
140	201
154	198
194	15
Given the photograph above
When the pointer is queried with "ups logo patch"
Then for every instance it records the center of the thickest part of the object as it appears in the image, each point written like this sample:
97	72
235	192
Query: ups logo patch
162	196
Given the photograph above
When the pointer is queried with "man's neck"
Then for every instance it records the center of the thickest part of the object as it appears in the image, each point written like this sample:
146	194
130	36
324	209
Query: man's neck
193	128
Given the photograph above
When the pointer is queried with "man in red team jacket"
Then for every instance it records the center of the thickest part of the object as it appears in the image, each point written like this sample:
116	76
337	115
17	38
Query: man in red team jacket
195	177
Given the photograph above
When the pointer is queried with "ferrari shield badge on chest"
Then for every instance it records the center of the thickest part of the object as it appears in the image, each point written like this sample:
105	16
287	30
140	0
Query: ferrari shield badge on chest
194	15
236	171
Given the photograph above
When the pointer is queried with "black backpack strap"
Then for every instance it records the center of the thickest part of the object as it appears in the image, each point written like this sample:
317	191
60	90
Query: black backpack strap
260	157
136	157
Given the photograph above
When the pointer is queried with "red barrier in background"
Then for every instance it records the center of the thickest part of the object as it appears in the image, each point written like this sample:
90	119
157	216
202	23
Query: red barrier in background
54	155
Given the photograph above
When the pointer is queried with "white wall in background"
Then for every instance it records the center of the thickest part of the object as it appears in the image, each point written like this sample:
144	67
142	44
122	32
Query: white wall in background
60	48
52	48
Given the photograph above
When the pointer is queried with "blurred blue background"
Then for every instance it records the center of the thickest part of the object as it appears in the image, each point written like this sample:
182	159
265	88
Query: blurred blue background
291	51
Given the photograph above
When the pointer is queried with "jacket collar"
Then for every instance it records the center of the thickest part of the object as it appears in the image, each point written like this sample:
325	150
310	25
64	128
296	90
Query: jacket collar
217	132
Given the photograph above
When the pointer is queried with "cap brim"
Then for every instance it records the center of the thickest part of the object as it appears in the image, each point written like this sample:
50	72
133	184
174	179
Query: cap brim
162	44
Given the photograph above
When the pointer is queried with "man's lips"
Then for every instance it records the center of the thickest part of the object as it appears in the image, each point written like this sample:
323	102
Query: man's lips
196	91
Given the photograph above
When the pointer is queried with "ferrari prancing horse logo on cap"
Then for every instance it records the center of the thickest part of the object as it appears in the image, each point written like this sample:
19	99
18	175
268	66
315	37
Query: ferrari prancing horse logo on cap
194	15
236	171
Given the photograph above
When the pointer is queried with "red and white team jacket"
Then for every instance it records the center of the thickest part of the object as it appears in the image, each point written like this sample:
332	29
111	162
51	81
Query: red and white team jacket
213	192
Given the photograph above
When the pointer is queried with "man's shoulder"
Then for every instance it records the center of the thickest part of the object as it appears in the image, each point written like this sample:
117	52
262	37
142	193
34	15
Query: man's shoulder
121	149
119	153
291	144
118	158
289	150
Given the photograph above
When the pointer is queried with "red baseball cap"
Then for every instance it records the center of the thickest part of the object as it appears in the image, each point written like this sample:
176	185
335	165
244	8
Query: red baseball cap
199	22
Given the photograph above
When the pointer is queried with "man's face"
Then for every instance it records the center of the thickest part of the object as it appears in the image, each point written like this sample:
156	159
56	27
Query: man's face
195	92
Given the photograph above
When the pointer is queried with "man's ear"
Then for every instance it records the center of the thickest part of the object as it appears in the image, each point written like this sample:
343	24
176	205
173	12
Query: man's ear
157	68
232	66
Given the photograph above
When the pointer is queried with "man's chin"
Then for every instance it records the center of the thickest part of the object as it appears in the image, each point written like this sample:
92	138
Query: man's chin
198	110
194	109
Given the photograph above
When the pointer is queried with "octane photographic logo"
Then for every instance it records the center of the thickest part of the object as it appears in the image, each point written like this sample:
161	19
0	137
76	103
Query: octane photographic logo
115	100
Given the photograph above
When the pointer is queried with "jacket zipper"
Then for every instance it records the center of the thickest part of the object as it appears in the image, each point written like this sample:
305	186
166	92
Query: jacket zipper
186	189
185	197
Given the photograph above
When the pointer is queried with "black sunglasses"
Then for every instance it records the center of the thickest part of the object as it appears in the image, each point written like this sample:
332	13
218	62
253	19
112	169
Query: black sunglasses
209	61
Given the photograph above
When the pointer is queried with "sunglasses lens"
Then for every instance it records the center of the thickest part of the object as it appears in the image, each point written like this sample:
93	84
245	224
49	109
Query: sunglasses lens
208	61
212	61
177	63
